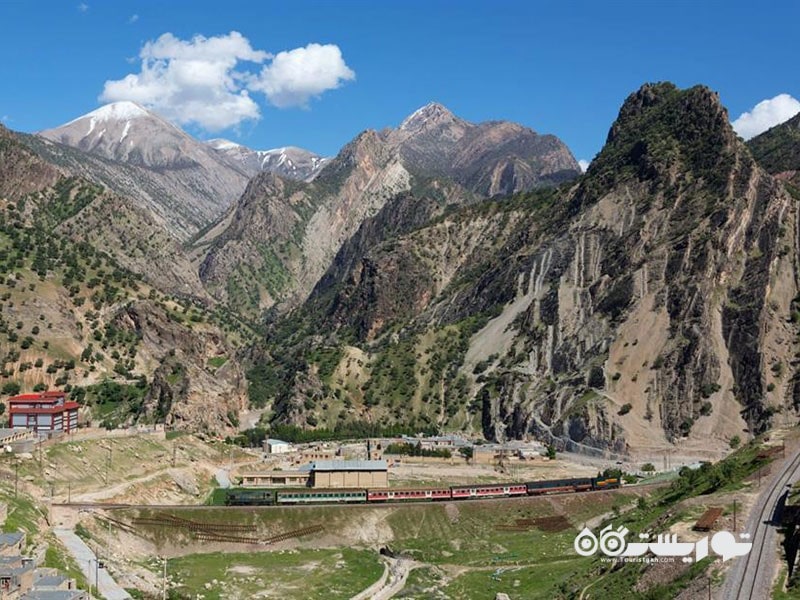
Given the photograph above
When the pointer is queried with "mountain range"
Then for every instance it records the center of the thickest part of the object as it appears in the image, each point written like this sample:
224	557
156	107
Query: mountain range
437	275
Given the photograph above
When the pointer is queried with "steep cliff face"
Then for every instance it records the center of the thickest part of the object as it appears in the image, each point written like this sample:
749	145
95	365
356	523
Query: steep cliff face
648	303
186	392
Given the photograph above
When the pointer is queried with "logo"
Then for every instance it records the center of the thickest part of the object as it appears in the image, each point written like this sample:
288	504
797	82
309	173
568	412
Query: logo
612	543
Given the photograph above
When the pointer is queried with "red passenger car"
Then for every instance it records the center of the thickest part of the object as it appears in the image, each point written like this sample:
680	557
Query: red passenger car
408	495
491	490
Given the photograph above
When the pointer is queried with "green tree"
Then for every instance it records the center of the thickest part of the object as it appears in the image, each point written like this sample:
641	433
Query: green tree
10	388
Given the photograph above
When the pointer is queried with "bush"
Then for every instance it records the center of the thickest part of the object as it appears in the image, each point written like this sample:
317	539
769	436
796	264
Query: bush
11	388
648	467
625	409
735	442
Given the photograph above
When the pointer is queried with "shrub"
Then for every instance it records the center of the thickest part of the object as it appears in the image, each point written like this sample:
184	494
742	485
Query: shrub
625	409
10	388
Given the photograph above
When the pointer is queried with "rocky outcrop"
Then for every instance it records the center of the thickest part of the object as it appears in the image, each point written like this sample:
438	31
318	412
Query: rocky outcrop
186	392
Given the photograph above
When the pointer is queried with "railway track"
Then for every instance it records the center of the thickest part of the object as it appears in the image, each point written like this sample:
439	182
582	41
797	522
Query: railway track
745	579
194	526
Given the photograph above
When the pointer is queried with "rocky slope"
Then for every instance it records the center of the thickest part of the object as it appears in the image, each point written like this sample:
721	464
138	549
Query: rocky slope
73	315
133	151
652	301
778	150
281	238
289	162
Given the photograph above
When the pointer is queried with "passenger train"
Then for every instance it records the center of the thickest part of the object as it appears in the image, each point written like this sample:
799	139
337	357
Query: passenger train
267	497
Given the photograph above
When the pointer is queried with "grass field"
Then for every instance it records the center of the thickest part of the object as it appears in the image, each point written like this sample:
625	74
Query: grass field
463	544
289	575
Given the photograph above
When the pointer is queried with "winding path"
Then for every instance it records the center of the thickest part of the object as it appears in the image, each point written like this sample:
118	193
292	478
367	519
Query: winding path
87	561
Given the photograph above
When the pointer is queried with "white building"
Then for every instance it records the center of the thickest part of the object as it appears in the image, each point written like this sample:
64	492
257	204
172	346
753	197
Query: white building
272	446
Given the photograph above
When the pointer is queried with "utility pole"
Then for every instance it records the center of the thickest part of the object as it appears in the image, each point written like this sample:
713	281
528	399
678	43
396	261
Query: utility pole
709	587
734	516
108	462
164	586
16	476
174	453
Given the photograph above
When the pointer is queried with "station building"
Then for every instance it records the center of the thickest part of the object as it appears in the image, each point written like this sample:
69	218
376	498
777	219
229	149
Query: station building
349	474
44	413
325	474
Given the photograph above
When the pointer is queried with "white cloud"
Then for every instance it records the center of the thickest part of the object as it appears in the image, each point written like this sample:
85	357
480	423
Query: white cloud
83	7
295	76
208	81
132	19
192	81
583	164
766	114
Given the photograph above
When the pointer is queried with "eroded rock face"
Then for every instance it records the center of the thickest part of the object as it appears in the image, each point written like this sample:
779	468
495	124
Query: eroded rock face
186	393
647	303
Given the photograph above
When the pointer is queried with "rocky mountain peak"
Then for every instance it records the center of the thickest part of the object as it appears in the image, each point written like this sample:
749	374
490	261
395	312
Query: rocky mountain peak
119	111
223	144
429	116
289	161
663	102
662	135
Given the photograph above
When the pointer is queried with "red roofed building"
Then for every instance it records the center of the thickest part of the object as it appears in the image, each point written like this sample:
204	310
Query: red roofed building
45	412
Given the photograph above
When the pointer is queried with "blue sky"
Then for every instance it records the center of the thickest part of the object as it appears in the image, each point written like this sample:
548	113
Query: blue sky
558	67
